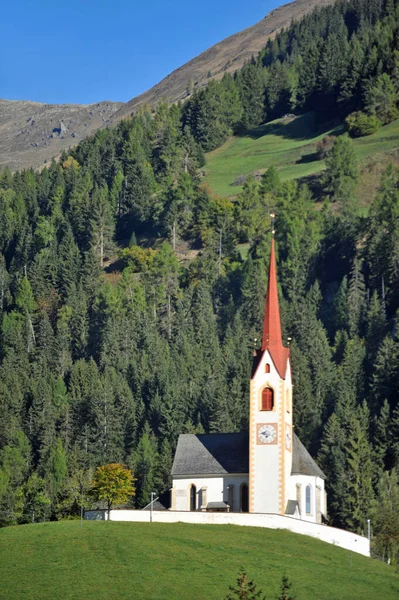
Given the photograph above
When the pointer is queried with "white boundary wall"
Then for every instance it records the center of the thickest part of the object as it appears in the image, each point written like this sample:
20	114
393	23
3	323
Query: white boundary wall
331	535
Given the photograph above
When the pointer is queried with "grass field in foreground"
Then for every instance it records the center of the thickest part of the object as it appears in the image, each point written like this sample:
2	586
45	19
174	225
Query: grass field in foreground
289	145
143	561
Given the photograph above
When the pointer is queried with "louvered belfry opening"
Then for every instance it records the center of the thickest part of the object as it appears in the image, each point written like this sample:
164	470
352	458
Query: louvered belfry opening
267	399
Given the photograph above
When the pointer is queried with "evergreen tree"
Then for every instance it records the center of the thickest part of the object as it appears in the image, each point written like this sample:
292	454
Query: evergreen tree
101	225
341	174
251	89
145	459
245	590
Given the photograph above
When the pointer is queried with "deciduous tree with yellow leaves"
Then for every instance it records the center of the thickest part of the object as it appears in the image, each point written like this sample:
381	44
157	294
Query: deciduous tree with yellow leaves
113	483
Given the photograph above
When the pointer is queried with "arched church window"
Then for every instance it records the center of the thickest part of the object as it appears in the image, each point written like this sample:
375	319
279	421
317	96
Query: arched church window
244	498
193	496
267	399
267	368
308	500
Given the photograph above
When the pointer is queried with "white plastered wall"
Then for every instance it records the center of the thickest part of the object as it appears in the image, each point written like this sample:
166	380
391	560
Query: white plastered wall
216	487
297	491
331	535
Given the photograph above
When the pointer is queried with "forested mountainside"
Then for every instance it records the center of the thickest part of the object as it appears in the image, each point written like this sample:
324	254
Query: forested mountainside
339	60
111	345
30	132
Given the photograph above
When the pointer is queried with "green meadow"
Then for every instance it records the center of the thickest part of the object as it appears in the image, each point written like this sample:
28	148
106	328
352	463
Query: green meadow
143	561
290	146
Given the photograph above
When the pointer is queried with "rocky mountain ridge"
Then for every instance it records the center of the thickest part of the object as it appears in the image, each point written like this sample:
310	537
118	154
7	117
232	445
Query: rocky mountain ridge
32	133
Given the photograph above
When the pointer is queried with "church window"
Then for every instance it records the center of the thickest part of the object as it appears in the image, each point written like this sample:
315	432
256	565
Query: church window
244	498
267	399
267	368
308	500
193	497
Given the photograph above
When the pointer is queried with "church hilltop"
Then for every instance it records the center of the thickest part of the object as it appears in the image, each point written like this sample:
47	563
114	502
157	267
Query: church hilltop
263	477
264	470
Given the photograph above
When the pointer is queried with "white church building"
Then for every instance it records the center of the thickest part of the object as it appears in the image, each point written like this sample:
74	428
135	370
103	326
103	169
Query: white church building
264	470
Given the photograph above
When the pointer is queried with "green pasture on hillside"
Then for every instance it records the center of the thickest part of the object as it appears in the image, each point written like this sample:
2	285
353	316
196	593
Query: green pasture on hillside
143	561
290	146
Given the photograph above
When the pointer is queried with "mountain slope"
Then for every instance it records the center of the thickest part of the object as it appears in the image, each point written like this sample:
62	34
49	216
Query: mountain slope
228	55
27	136
122	561
32	133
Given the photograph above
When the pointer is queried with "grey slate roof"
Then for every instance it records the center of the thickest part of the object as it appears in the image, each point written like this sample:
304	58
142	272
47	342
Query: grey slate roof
211	454
222	453
302	462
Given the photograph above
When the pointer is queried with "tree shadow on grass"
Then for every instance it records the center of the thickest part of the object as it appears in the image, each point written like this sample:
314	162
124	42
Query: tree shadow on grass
307	158
302	128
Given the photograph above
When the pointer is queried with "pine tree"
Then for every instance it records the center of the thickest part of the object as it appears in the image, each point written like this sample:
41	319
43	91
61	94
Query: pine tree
285	589
251	89
144	462
381	99
358	491
102	225
356	299
386	518
245	590
340	306
341	175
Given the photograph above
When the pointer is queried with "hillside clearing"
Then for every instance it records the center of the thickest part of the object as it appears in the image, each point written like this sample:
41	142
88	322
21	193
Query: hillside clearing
290	146
121	561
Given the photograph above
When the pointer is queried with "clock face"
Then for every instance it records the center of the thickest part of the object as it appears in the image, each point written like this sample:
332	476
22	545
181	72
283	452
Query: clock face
288	437
267	434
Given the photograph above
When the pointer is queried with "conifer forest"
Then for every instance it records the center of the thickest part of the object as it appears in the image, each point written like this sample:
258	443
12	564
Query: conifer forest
132	297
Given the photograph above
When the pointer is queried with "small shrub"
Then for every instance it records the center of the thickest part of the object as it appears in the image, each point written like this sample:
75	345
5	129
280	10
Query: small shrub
240	180
323	148
133	240
285	588
359	124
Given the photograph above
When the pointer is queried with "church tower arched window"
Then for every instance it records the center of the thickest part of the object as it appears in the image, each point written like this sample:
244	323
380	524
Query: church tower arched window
267	399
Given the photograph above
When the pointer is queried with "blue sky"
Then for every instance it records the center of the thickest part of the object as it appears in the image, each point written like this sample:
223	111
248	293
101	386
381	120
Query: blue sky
83	51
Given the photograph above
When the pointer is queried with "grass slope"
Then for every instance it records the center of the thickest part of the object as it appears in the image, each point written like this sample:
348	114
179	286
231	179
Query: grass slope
289	145
121	561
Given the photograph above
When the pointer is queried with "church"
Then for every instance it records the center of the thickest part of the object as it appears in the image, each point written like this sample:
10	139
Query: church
264	470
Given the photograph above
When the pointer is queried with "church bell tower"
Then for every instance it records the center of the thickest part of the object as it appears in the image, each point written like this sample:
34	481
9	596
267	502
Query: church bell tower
270	419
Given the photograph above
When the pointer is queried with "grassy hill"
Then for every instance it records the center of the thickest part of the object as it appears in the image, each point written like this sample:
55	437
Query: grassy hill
121	561
290	145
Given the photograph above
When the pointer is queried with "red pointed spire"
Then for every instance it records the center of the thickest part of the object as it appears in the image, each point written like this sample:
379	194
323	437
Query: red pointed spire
272	337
